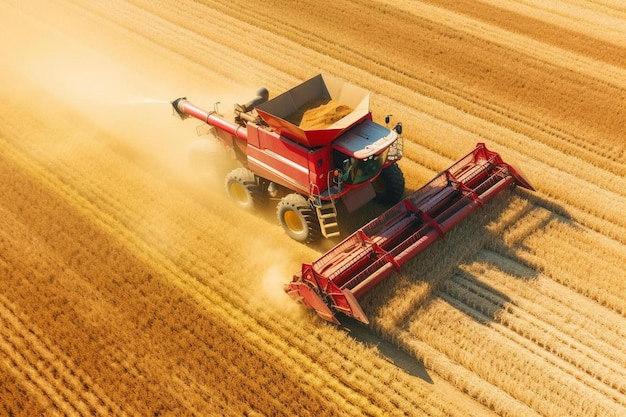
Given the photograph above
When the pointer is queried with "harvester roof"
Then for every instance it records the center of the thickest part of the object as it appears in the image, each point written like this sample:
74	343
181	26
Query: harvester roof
283	113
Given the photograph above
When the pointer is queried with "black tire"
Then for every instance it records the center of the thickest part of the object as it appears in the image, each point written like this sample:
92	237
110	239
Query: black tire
389	185
298	218
242	188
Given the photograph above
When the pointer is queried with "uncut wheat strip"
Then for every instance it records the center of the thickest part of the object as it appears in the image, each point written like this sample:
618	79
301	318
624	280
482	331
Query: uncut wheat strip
582	319
568	354
578	19
579	171
210	300
57	366
543	52
261	38
468	337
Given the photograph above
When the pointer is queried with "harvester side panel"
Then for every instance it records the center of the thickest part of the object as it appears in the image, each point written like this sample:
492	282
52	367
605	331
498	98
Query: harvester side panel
375	251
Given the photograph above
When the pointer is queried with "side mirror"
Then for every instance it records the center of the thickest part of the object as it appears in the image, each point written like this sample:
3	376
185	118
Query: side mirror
398	128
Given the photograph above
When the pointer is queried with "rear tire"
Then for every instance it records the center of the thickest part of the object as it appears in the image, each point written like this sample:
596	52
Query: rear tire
298	218
242	188
389	185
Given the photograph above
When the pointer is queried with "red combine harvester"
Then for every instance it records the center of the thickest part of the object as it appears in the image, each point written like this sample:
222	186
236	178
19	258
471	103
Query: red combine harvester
307	148
335	281
317	144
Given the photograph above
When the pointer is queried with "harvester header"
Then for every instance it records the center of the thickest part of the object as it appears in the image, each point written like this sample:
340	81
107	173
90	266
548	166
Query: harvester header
334	282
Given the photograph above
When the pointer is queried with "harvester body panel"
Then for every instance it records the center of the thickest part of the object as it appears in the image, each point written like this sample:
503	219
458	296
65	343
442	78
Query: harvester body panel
373	252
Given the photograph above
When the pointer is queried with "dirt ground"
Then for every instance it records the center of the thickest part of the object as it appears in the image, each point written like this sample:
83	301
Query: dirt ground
130	286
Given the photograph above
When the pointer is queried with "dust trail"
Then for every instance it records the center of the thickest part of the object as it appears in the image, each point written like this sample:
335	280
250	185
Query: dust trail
272	283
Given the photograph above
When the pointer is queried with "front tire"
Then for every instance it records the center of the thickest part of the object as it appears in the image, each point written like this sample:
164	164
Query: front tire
389	185
298	219
242	188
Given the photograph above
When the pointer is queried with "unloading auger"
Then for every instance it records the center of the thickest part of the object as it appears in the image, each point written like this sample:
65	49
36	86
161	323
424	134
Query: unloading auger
334	282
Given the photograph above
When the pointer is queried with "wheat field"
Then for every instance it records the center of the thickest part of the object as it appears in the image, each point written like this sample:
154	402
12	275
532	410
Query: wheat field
129	286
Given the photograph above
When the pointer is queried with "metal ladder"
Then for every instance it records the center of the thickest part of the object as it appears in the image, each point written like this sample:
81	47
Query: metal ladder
327	215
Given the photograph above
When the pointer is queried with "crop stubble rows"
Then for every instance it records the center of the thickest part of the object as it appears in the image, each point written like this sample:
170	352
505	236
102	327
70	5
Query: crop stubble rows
566	241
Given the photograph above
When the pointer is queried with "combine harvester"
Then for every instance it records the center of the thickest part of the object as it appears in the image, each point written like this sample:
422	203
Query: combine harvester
333	283
308	168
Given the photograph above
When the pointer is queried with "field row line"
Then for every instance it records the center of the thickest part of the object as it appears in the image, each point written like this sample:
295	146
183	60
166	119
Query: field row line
469	336
61	380
574	314
564	352
115	358
490	395
126	362
317	44
554	241
387	72
550	55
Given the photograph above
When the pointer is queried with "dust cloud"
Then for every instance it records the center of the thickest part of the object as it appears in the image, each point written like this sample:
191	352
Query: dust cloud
121	87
